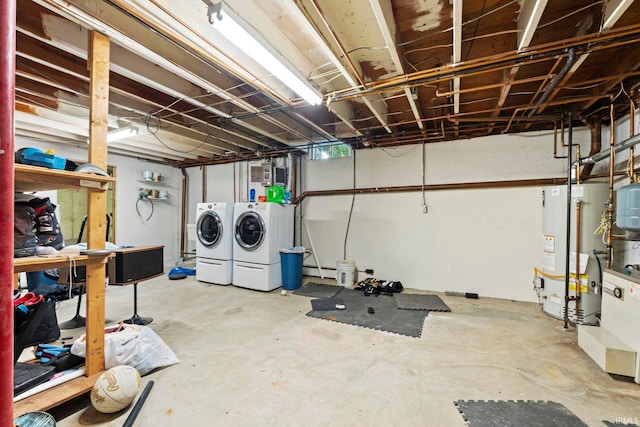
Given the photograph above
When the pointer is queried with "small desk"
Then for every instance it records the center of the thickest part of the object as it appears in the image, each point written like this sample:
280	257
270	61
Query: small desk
130	266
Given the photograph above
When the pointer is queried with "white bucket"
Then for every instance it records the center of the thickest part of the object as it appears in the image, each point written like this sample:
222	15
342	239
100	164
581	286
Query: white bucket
346	273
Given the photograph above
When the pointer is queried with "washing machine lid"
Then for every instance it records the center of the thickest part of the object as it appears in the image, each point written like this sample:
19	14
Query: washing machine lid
209	228
250	230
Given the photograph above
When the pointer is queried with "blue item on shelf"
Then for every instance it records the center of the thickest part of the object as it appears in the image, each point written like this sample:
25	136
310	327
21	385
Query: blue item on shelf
35	157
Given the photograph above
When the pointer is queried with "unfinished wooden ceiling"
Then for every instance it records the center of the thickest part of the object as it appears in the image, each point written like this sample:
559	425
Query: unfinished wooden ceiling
390	72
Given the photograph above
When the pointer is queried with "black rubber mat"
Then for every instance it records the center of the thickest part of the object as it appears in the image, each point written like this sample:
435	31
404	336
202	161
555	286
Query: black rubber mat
380	313
322	304
518	413
407	301
318	290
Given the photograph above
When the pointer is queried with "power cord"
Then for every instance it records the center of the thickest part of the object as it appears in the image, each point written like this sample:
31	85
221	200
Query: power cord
144	197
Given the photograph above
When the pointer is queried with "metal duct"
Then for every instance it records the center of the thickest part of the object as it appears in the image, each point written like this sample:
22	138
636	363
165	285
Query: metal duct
570	61
628	143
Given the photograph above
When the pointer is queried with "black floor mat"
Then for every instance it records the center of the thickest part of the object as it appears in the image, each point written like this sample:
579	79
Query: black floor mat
318	290
385	317
407	301
518	413
321	304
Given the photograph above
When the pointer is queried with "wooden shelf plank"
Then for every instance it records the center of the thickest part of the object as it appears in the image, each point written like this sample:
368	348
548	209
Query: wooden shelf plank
44	262
55	396
36	178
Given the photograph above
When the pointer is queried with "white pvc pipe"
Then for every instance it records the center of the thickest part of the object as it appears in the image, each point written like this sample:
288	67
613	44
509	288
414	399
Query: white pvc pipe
313	249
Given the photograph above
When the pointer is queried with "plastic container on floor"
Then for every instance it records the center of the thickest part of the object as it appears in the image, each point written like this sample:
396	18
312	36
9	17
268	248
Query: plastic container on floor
291	260
346	273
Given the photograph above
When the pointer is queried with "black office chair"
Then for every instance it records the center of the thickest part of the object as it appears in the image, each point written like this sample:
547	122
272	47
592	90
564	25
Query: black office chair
79	275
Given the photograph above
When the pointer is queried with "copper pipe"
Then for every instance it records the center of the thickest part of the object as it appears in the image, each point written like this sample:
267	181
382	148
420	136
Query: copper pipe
584	44
596	145
612	154
434	187
606	175
577	280
555	139
183	213
493	86
203	184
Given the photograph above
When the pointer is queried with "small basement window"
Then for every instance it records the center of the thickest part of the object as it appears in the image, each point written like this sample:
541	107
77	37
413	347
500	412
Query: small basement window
329	150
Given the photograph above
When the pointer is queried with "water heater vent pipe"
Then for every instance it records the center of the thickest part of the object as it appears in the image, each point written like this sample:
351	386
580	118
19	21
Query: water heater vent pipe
627	143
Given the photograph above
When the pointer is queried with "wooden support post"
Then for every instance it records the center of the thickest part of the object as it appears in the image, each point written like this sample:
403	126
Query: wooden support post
98	64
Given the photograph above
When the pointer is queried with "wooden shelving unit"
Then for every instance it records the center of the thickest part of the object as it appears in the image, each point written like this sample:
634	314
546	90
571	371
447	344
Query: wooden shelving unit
33	178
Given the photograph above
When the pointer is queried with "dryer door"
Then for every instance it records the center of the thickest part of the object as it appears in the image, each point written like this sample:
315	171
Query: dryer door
250	230
209	228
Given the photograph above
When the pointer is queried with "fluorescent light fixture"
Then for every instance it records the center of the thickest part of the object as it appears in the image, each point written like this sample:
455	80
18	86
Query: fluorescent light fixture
121	133
222	20
532	15
613	10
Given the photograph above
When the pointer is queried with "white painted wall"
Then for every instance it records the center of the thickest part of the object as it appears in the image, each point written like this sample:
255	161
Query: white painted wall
485	241
163	228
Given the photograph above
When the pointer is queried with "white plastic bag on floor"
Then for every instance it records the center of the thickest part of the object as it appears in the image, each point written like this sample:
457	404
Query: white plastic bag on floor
134	345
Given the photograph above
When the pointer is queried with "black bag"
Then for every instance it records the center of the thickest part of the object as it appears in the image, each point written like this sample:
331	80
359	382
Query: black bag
46	223
47	329
24	236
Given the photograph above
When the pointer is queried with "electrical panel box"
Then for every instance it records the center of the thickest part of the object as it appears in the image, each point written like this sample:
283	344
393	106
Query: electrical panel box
269	175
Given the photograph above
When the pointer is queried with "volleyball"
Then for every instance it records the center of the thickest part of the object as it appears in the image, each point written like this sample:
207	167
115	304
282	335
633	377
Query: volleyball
115	389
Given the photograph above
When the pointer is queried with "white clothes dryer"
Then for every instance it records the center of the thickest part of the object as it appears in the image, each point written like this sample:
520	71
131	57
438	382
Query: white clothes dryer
214	242
260	231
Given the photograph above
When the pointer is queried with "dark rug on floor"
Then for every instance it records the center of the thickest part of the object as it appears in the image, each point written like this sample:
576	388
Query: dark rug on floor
407	301
509	413
321	304
385	317
318	290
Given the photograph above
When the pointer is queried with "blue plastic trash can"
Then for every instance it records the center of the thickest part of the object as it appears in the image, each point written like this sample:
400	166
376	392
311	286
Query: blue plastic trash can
291	260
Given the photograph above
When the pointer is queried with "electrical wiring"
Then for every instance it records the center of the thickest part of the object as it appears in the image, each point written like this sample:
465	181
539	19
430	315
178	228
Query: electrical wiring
537	272
144	197
489	12
151	115
413	147
475	30
546	24
353	199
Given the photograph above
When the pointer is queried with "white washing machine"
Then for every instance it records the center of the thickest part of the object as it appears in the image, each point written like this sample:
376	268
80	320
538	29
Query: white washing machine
214	243
260	231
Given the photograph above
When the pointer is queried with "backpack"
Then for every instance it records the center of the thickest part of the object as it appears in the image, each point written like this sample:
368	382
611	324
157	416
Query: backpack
24	236
46	223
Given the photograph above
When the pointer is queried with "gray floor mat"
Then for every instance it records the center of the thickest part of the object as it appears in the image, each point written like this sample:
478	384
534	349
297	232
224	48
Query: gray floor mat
509	413
386	317
321	304
318	290
407	301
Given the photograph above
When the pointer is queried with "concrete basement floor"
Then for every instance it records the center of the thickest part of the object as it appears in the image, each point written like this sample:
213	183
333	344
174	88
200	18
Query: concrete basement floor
249	358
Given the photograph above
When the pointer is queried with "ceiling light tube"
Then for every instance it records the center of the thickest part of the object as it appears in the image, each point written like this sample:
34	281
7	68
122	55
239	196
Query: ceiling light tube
121	133
232	30
532	15
611	16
